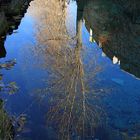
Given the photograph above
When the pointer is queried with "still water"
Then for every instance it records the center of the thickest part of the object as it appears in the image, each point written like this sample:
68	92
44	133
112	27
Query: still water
70	74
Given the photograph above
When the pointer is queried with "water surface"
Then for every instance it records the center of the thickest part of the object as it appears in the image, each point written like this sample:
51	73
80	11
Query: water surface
71	74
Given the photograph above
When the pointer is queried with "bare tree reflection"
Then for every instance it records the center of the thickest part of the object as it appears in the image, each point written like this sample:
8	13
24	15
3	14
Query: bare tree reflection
73	111
71	107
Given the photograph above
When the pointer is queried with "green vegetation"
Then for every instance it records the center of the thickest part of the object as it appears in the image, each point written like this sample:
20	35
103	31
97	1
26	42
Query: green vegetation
6	127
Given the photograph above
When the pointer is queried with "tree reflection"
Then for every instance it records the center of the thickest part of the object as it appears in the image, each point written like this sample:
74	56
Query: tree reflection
74	112
71	108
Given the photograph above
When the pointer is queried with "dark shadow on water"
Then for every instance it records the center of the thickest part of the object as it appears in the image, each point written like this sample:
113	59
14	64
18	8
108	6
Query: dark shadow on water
115	31
2	49
10	19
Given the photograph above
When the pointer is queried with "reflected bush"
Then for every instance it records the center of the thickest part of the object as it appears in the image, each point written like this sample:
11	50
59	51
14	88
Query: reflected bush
6	127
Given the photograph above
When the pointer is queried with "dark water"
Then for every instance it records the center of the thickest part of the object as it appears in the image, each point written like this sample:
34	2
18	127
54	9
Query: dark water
72	73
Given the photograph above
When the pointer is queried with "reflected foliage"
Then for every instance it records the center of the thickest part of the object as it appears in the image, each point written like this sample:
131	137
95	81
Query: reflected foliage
6	127
9	125
10	88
